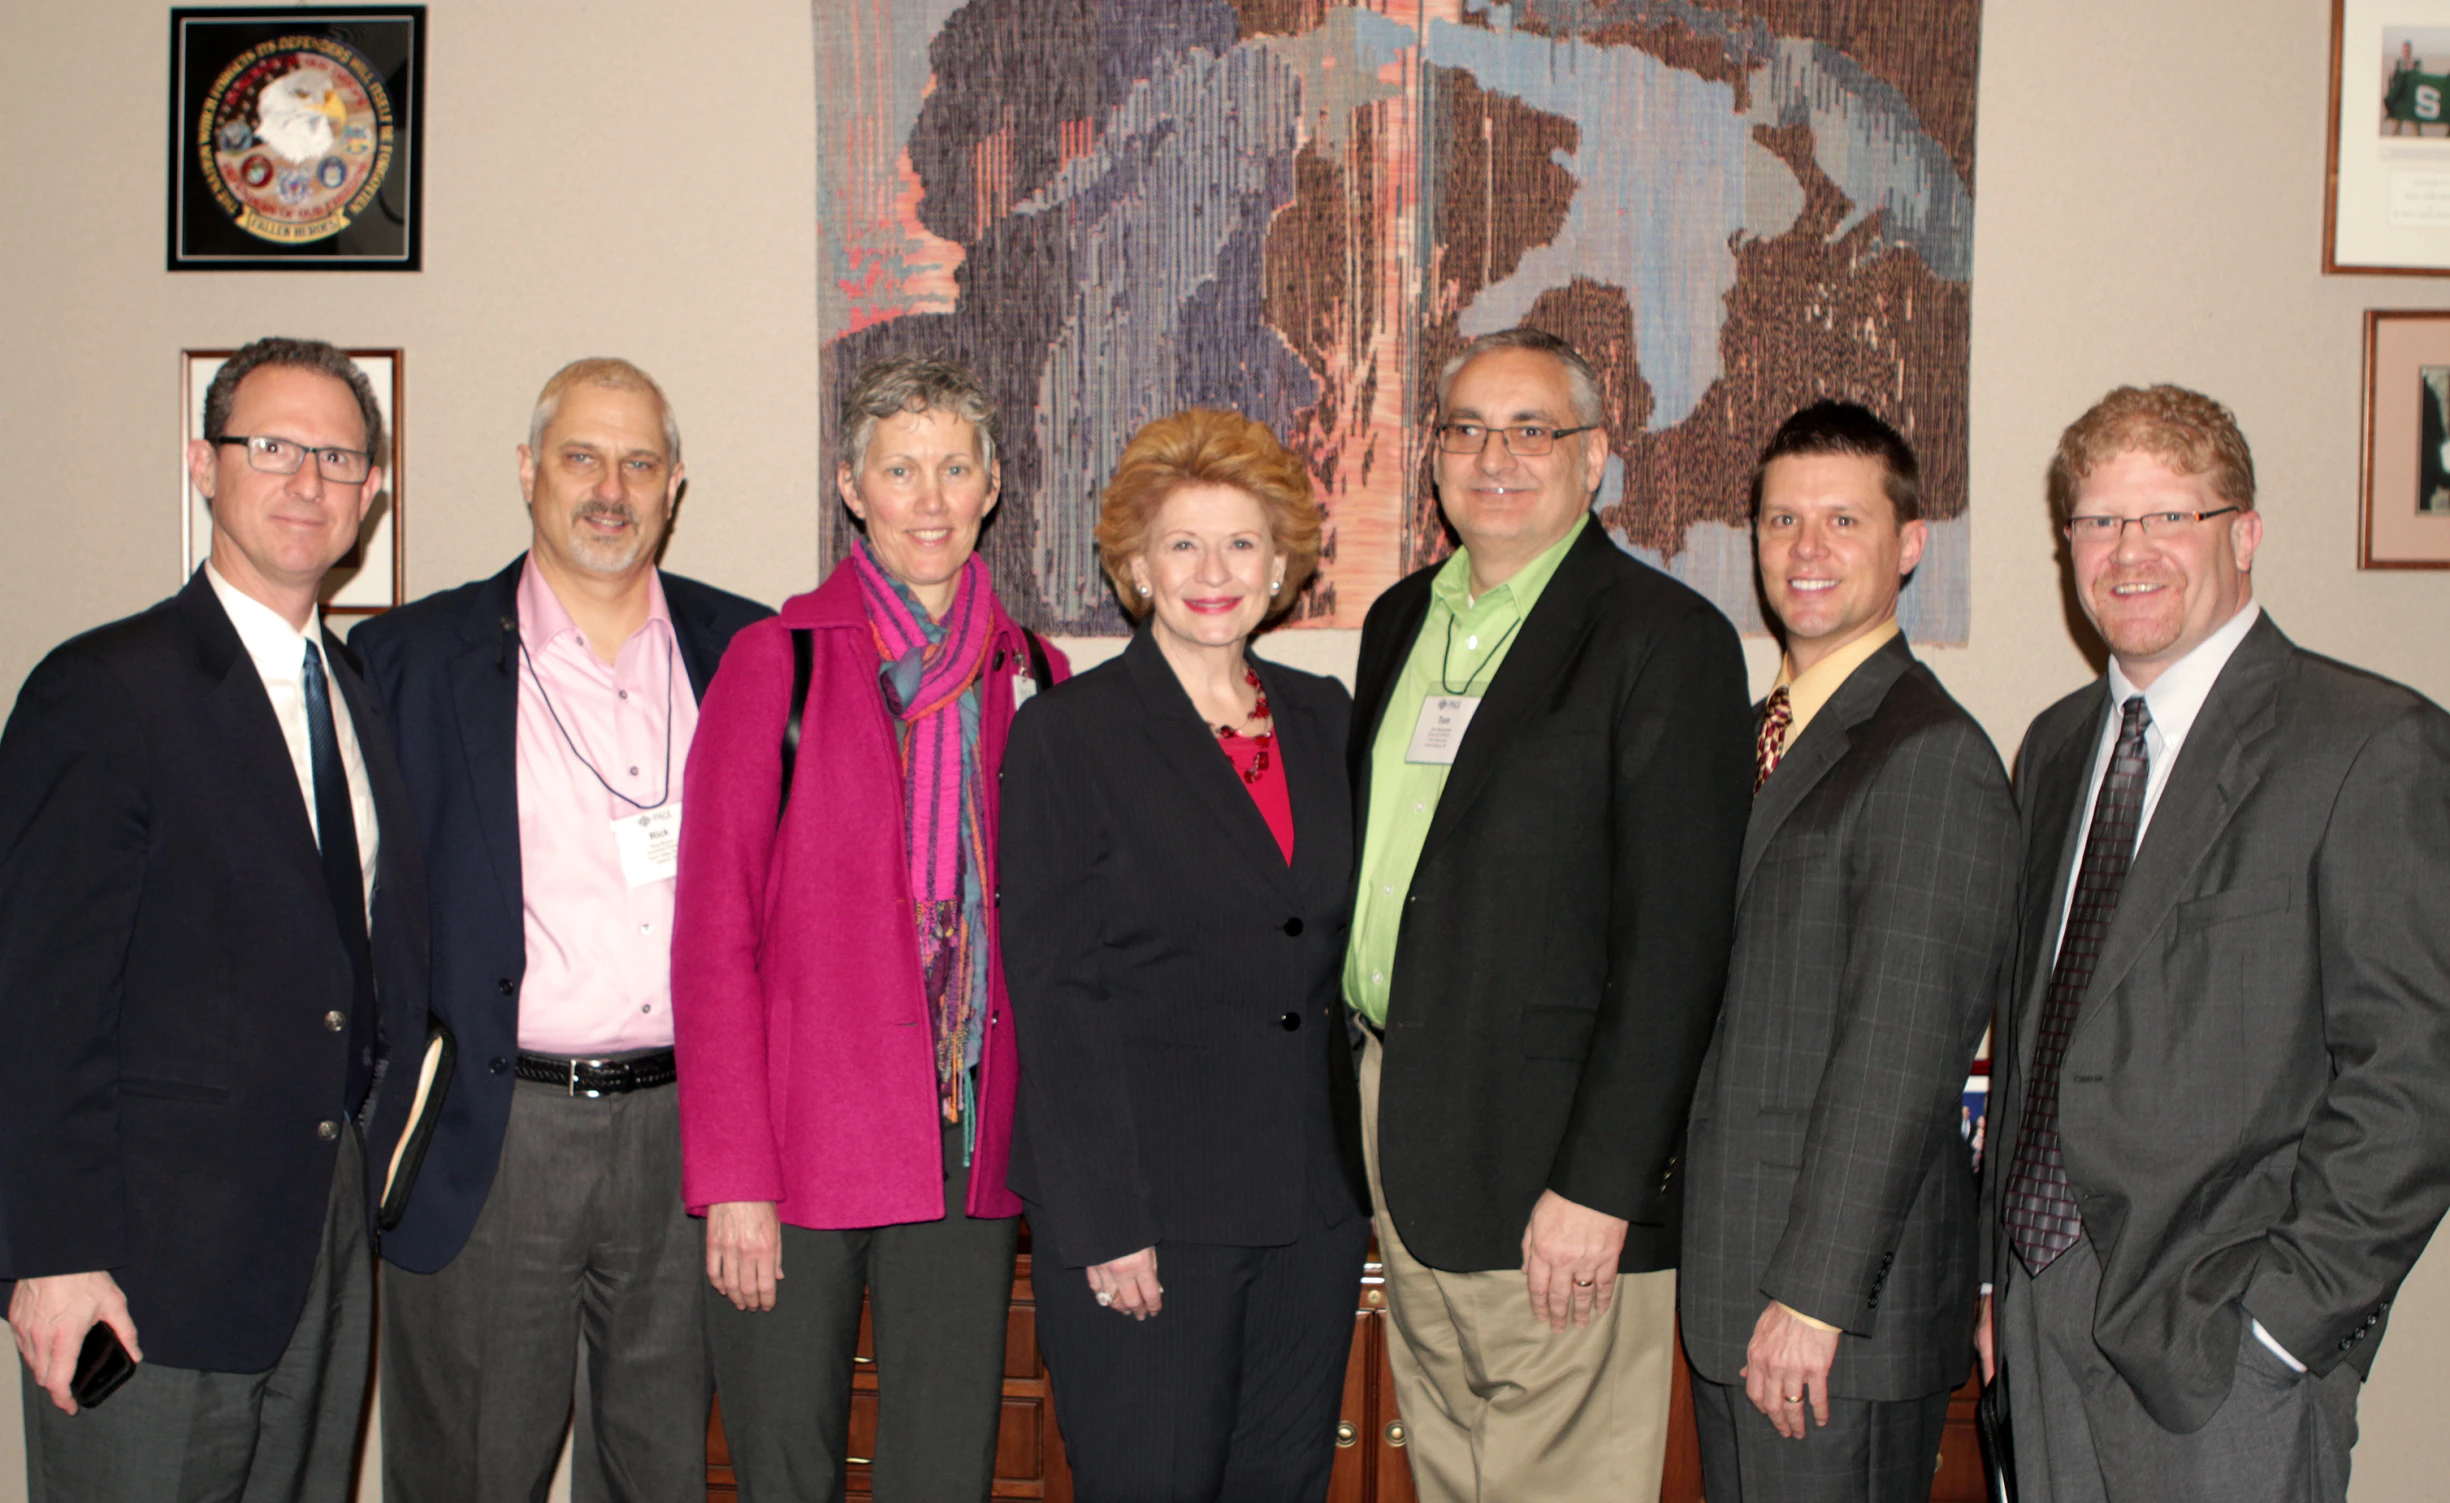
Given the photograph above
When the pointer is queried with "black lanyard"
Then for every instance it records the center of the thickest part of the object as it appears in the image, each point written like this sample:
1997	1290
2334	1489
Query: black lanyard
1448	656
670	652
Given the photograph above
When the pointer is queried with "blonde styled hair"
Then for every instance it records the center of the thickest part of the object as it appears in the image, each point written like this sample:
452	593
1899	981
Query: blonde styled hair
2185	430
1202	446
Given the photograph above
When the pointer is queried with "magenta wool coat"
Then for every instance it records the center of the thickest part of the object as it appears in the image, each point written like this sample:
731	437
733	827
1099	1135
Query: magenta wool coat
807	1065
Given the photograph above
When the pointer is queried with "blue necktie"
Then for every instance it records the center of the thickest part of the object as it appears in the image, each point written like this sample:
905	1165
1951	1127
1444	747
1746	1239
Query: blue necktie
344	877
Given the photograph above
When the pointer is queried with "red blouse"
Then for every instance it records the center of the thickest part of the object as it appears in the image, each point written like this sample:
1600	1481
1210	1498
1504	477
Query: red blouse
1269	791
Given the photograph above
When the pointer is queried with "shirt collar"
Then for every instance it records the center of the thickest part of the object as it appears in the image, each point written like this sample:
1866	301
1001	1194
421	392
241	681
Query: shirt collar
1453	584
1808	691
544	620
2178	695
278	648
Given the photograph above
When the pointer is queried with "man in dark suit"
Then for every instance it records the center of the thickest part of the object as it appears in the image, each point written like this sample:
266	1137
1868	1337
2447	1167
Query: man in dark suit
212	950
1829	1258
544	716
2224	1124
1550	758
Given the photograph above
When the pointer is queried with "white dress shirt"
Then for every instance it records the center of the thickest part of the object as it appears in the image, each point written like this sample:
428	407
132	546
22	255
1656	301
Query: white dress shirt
2175	700
279	653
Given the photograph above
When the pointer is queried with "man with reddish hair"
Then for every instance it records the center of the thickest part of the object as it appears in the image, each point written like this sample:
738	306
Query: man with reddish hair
2223	1129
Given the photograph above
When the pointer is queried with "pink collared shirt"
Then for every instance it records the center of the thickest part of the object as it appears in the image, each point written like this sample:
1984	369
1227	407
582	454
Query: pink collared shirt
599	951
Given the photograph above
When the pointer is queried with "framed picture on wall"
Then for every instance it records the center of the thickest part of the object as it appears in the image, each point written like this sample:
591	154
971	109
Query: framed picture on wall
2406	506
296	138
373	577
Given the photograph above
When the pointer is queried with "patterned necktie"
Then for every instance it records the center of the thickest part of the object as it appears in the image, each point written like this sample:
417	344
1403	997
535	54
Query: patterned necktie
2041	1211
1776	716
344	878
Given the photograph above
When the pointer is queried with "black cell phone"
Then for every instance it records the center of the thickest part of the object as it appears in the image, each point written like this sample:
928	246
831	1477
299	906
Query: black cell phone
102	1365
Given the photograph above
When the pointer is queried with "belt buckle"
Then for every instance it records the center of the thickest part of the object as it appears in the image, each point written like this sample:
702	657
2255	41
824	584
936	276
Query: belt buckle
590	1094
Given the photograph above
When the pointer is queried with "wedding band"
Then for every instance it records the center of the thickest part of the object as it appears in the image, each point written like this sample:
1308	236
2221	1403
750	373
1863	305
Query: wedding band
1104	1298
1584	1283
1793	1398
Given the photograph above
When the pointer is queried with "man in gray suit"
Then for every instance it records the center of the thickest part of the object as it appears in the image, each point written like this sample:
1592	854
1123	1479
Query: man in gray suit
2223	1128
1829	1248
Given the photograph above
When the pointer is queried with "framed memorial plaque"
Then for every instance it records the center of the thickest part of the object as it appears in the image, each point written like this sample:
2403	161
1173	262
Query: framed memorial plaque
374	576
2405	522
294	138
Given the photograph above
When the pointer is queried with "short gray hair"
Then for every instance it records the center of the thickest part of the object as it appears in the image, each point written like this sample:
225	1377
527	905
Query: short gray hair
612	374
1580	379
294	354
914	383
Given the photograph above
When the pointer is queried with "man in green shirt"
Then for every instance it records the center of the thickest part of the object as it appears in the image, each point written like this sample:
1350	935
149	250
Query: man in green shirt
1552	764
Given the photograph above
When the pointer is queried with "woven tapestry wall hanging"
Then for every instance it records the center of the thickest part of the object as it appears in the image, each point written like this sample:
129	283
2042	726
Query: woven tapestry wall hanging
1113	209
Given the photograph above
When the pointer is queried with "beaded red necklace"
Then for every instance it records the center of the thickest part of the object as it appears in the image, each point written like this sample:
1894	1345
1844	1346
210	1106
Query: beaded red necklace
1259	711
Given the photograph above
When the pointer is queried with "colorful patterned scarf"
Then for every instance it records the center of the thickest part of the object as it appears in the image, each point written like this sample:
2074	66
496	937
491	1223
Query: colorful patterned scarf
929	672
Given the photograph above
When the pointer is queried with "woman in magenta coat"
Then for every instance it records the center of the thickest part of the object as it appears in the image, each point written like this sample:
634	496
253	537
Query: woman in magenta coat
846	1059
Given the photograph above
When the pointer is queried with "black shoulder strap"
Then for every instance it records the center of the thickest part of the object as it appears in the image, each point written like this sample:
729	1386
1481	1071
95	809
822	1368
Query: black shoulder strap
803	668
1039	672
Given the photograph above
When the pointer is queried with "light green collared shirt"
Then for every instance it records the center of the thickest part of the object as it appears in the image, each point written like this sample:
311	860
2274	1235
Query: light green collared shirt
1461	644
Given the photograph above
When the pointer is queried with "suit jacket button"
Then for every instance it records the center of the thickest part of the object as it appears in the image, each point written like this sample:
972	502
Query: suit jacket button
1293	927
509	987
1290	1022
335	1021
327	1129
498	1066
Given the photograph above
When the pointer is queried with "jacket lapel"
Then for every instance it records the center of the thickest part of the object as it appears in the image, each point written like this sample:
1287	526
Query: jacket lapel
249	737
1187	746
693	628
1821	746
2223	757
1374	682
1307	757
1551	637
485	686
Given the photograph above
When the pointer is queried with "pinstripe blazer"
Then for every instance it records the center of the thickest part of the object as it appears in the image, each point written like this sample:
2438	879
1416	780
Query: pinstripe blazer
1875	914
1185	1073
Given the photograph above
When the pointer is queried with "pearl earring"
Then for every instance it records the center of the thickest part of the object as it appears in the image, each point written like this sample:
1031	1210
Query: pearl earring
1274	585
1144	592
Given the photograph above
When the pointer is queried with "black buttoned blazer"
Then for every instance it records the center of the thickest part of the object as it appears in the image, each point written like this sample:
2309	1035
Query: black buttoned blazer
1875	910
1564	941
170	1082
1185	1074
2254	1107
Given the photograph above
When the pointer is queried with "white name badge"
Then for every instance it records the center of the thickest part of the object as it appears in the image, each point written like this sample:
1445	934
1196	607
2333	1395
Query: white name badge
1439	731
1024	688
650	844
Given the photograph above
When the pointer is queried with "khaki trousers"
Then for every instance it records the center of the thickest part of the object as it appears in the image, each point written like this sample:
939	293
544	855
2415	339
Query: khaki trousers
1498	1408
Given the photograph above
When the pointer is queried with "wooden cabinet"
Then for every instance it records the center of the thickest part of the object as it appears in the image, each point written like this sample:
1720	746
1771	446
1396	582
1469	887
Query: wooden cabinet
1371	1464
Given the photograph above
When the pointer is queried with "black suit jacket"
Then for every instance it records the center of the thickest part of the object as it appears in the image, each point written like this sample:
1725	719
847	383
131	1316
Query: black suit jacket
448	668
1564	943
167	961
2254	1107
1184	1069
1875	911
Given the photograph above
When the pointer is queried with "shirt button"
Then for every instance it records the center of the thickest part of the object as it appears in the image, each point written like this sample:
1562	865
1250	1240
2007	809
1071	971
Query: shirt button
646	1007
1471	641
335	1021
327	1129
1420	808
633	772
624	693
1378	976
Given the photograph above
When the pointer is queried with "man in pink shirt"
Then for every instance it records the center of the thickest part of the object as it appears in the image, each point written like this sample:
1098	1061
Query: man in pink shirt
544	718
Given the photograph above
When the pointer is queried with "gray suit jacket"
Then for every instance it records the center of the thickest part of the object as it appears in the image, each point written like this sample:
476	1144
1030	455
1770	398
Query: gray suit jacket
1875	915
2255	1104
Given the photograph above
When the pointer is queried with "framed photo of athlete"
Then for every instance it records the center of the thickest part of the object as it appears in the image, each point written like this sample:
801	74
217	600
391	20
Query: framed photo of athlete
373	578
296	138
2405	522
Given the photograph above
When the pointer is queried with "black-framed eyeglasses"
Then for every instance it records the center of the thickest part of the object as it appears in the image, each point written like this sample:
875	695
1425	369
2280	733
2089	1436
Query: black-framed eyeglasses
281	456
2156	525
1523	439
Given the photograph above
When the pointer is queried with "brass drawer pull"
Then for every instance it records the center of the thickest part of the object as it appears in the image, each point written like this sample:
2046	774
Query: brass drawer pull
1395	1433
1346	1434
1375	1297
858	1461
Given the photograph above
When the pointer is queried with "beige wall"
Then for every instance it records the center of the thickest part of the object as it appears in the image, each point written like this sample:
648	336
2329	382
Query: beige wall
635	178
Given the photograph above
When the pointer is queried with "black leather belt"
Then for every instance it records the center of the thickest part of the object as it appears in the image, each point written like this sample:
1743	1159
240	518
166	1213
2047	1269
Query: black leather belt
600	1077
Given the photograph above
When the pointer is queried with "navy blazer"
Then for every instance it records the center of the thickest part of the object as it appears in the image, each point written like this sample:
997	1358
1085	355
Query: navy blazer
170	1085
447	668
